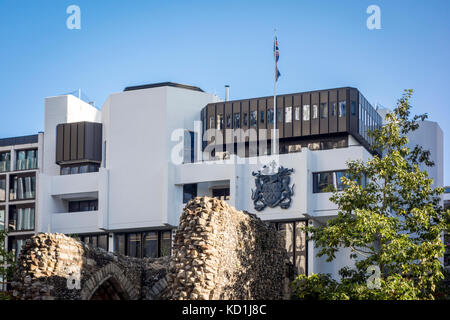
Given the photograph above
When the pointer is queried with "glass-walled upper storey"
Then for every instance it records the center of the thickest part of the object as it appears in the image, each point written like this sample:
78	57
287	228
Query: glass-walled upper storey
312	115
368	119
24	160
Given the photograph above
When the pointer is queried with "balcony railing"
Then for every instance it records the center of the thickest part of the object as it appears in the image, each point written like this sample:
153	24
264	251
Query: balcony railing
26	164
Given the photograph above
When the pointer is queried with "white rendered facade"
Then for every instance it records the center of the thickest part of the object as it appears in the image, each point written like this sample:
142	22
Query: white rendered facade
139	185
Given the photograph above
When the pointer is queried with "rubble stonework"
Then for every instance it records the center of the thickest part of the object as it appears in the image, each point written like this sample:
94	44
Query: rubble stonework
222	253
54	266
218	253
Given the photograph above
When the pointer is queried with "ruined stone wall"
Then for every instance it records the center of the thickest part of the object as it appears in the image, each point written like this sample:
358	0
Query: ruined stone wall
222	253
54	266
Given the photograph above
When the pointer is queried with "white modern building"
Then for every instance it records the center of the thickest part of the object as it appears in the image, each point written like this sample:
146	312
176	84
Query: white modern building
119	177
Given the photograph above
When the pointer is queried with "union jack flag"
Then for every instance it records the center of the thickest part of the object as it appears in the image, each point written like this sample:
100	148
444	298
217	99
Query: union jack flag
276	55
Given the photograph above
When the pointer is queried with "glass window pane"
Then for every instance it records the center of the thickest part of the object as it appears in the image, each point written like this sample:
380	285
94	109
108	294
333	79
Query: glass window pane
306	112
4	161
315	111
119	243
2	218
166	243
237	120
253	118
84	206
84	168
74	206
103	241
297	113
151	244
134	245
2	188
270	116
323	110
189	192
300	247
342	108
287	233
288	115
74	170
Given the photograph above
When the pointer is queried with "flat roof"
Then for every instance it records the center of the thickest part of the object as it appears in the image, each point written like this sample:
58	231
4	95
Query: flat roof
5	142
163	84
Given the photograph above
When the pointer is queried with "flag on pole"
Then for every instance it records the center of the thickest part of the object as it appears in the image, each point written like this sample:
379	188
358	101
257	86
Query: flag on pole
276	54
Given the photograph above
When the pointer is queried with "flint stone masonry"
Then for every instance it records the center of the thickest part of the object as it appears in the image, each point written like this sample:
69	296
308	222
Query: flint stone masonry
222	253
57	267
218	253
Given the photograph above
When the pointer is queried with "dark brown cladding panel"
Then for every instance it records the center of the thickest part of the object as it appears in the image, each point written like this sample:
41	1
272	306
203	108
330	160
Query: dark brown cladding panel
313	113
79	142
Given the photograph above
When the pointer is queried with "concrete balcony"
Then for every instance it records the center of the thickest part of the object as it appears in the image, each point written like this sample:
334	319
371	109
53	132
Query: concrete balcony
75	186
76	222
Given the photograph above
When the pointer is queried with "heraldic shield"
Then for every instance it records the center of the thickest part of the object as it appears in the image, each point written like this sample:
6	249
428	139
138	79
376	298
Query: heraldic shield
272	189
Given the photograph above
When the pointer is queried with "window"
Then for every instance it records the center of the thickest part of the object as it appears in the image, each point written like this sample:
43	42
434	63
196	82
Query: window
306	112
83	206
333	109
221	194
245	123
166	243
288	115
21	218
4	161
315	111
189	192
328	181
253	118
353	108
342	106
15	244
237	120
279	115
26	159
220	121
2	218
297	113
294	240
134	241
324	110
79	168
211	122
96	240
149	244
228	120
119	244
3	188
262	117
270	116
22	187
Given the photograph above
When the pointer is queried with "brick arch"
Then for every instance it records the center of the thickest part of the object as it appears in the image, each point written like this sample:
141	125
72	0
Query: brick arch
109	272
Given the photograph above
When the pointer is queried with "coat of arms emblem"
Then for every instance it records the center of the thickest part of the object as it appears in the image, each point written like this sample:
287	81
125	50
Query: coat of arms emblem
272	189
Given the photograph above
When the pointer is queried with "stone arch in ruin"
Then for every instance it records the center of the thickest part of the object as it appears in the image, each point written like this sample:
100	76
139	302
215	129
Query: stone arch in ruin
109	283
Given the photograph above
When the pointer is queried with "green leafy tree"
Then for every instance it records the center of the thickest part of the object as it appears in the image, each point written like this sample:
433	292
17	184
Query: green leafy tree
6	263
394	221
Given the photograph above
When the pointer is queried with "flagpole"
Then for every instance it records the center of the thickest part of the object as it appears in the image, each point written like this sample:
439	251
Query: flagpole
274	136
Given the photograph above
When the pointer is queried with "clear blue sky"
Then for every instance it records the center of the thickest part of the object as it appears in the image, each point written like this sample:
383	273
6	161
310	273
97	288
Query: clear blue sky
323	44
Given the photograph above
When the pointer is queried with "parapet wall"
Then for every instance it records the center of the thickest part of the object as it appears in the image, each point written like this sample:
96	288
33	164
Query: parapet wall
222	253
